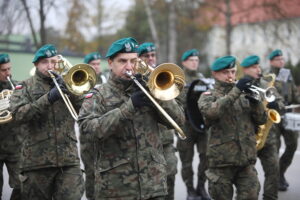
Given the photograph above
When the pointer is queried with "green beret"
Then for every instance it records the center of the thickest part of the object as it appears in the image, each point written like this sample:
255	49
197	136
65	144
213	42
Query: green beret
225	62
250	60
124	45
91	56
188	53
275	53
46	51
4	58
146	47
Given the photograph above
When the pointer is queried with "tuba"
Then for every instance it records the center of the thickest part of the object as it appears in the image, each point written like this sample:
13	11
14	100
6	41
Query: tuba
79	79
5	114
164	82
273	117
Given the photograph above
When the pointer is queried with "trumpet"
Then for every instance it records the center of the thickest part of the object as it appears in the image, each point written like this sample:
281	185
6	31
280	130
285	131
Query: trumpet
5	114
268	93
165	83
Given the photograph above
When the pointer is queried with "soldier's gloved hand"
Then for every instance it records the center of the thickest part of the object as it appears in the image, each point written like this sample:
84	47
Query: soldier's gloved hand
53	95
244	84
272	105
139	99
252	99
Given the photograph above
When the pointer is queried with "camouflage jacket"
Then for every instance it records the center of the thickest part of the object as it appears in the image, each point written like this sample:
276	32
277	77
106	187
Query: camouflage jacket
287	89
10	134
232	120
130	162
51	141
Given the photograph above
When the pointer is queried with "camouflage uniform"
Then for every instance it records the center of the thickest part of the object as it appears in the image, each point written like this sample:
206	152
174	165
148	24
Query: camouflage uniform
186	147
231	149
10	146
268	155
290	94
130	162
49	157
87	150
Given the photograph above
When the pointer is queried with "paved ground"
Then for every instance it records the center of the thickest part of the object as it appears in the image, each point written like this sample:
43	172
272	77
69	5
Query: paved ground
180	191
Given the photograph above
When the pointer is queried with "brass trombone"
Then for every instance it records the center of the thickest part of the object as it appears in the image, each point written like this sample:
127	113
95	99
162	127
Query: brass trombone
79	79
165	83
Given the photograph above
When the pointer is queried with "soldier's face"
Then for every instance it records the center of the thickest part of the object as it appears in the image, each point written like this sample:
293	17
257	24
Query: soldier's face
225	75
121	63
5	71
191	63
45	64
149	58
96	65
253	71
278	62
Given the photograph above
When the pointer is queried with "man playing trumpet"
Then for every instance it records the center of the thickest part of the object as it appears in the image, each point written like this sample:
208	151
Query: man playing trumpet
231	120
10	138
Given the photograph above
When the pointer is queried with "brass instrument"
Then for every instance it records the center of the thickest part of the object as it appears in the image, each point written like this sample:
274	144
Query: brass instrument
268	93
165	83
273	117
5	114
79	79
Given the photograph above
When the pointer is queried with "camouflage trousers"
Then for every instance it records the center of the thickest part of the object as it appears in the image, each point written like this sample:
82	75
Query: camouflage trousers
12	166
268	156
52	183
88	159
222	179
186	154
291	143
171	159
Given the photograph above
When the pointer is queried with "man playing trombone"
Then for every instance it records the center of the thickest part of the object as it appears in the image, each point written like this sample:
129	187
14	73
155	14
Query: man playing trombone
268	154
130	163
10	138
231	119
50	166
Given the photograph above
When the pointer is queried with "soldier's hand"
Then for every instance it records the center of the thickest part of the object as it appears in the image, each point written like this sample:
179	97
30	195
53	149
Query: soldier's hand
272	105
244	84
252	99
53	95
139	99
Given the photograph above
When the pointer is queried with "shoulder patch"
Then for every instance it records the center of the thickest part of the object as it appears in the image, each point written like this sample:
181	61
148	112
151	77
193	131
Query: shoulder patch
206	93
18	87
89	95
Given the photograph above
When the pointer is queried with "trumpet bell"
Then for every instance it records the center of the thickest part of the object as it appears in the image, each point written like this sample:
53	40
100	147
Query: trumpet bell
166	81
269	94
80	79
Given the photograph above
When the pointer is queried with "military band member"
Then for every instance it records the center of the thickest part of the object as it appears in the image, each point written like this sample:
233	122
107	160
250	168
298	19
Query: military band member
130	162
287	89
231	119
94	59
50	165
268	155
147	52
190	63
10	138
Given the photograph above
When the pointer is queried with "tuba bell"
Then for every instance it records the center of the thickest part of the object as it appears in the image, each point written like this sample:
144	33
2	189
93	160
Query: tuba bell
5	114
79	79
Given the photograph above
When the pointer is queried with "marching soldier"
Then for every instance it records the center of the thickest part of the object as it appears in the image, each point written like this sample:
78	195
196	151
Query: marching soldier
87	145
268	154
147	52
130	162
190	62
232	119
94	59
287	89
50	165
10	138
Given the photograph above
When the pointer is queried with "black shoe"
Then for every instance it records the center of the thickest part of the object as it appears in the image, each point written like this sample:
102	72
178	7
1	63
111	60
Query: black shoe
282	186
202	192
284	181
192	195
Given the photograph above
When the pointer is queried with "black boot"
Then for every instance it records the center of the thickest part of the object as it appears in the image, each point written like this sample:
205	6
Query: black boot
283	184
202	192
192	194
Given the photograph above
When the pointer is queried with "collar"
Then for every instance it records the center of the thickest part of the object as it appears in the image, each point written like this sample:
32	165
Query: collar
190	72
275	70
44	78
121	84
223	87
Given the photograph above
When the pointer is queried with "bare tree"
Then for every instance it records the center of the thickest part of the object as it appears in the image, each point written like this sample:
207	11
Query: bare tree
172	54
